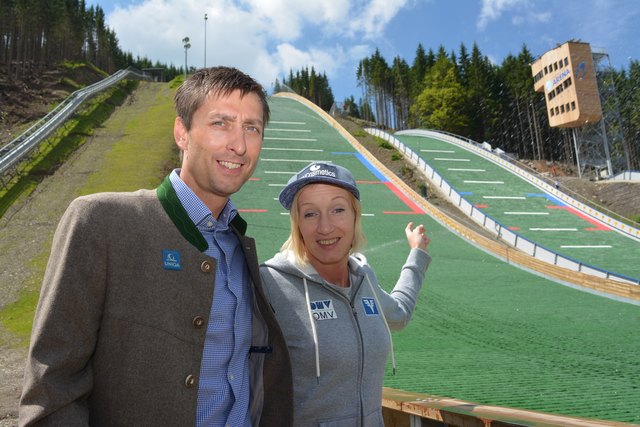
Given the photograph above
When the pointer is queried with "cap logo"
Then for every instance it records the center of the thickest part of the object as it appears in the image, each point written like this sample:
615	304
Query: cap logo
318	170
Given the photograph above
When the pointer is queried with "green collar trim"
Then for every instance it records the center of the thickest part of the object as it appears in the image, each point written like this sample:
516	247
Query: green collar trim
239	224
172	206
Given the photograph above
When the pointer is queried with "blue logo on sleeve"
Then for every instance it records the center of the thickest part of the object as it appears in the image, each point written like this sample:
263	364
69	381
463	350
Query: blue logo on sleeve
370	307
171	260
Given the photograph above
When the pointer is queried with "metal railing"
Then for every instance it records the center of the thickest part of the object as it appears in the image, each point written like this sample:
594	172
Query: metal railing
12	153
574	197
516	240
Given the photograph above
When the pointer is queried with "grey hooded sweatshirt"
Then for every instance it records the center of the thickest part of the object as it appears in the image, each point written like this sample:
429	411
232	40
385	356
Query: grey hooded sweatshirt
339	357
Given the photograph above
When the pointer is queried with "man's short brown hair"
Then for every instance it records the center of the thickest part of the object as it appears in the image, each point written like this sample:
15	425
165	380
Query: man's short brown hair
216	81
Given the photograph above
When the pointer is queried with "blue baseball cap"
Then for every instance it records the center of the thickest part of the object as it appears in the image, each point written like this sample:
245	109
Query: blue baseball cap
323	173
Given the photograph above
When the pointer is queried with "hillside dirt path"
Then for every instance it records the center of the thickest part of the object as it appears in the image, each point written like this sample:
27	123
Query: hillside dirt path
27	229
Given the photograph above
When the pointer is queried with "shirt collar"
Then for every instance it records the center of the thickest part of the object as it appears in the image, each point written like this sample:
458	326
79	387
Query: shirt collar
198	212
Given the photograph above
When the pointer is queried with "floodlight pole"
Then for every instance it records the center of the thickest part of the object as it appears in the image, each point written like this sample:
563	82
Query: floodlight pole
205	40
187	45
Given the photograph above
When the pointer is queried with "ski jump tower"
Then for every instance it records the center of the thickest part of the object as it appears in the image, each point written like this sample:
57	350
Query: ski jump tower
568	76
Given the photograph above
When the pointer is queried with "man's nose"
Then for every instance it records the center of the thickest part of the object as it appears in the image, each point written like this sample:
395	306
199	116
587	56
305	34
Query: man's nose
237	141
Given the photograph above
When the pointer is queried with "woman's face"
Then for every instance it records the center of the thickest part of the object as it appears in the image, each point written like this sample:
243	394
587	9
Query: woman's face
326	223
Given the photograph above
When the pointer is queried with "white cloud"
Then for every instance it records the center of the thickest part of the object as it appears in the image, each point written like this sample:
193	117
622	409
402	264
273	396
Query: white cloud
531	18
265	38
372	19
359	51
327	60
155	29
541	17
287	19
493	9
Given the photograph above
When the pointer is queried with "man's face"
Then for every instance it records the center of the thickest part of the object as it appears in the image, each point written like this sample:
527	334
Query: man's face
221	150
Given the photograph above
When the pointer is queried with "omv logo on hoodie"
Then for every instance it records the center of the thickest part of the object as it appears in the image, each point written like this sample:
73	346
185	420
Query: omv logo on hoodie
323	310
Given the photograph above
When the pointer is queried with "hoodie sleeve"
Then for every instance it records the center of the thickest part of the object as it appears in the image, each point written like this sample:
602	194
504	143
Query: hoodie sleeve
398	305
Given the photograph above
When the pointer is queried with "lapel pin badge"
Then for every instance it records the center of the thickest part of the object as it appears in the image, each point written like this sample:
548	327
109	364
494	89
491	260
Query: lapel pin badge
171	260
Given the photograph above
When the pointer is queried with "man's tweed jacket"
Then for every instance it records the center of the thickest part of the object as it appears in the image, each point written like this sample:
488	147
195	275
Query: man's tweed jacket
119	330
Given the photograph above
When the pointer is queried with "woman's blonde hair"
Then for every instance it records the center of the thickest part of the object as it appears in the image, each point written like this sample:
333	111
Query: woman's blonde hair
295	242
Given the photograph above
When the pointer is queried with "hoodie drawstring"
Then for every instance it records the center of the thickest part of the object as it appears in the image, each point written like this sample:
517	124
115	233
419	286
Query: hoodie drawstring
375	297
313	329
315	333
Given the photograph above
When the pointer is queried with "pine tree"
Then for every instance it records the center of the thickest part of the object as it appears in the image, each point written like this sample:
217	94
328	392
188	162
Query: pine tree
441	104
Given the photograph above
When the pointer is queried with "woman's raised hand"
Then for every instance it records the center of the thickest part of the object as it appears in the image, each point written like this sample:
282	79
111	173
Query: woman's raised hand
417	237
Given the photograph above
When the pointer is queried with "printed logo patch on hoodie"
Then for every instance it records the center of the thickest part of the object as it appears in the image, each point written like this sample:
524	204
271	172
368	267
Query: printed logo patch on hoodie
370	307
323	310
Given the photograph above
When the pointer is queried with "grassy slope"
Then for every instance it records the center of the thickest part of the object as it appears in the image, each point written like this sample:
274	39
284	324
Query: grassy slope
142	151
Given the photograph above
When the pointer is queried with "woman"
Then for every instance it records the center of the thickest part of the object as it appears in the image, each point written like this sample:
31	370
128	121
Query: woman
335	317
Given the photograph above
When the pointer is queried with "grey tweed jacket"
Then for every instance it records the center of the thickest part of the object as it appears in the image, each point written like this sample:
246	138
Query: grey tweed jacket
119	330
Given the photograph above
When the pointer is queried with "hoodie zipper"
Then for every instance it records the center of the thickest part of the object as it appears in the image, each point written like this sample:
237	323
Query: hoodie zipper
361	370
350	302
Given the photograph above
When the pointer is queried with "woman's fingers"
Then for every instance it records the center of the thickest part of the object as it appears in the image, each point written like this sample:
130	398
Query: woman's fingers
416	236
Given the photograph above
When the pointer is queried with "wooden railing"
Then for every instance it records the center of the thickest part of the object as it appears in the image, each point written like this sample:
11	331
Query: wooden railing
406	409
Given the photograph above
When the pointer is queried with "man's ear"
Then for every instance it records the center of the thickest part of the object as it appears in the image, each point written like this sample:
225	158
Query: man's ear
180	133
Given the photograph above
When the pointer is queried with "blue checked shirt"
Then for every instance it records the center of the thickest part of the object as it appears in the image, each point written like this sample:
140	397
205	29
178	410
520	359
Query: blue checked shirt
223	392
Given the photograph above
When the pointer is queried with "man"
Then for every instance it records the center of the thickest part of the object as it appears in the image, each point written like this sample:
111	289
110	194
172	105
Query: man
127	330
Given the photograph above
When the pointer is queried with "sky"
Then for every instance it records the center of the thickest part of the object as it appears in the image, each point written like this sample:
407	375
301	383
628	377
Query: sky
267	38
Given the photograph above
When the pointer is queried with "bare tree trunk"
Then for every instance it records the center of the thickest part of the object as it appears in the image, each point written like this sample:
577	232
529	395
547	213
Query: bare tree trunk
536	128
522	133
531	132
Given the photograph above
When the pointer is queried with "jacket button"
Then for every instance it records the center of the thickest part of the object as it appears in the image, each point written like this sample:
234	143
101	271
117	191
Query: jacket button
206	267
198	322
190	381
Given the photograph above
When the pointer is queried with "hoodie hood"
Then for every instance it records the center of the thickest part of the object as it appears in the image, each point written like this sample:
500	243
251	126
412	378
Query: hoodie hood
285	262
